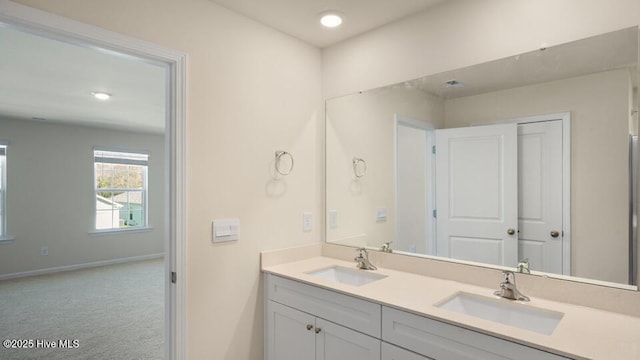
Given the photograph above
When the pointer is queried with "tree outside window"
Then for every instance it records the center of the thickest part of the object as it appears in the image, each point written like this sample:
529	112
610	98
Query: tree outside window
121	189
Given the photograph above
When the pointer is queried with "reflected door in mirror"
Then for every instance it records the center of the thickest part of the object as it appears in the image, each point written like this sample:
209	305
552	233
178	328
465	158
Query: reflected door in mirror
477	194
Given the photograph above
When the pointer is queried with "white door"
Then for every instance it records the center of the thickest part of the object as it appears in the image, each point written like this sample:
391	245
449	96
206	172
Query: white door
335	342
540	195
477	194
290	333
414	187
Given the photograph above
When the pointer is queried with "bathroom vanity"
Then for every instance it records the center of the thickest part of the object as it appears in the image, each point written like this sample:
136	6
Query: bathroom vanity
308	322
321	308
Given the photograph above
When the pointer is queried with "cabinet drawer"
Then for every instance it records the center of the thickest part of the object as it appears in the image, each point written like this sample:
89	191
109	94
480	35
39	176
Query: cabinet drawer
392	352
357	314
439	340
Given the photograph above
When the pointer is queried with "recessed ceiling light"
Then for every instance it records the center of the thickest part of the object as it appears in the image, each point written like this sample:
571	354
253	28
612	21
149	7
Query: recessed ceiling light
331	20
101	95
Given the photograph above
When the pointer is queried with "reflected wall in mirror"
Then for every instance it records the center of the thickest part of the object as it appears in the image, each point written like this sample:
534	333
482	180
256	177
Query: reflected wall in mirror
527	157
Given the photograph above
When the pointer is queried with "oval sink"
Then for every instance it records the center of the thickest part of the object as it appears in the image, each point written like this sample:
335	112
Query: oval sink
344	275
503	311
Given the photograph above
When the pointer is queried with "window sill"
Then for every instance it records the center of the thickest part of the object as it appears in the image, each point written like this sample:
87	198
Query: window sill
120	231
6	240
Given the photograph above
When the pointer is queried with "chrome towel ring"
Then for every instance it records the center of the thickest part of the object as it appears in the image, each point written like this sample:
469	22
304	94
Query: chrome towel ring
359	167
284	162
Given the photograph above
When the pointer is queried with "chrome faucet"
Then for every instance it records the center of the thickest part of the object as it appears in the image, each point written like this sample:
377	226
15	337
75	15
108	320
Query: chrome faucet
363	260
508	289
386	247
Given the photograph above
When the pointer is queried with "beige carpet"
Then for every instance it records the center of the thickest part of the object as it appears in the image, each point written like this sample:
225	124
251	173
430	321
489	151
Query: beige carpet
115	312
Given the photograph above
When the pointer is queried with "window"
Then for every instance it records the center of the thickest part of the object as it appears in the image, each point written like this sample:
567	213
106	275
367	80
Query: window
3	190
121	189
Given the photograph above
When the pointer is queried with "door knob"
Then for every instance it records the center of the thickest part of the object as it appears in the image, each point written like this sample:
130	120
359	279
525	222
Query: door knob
555	233
318	330
309	326
511	231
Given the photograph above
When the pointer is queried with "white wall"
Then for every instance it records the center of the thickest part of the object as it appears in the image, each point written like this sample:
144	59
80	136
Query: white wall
251	91
599	106
50	198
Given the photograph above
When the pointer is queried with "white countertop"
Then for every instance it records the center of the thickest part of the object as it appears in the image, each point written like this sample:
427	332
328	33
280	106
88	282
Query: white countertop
583	333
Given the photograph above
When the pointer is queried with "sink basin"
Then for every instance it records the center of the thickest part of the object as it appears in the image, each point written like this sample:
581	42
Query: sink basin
503	311
344	275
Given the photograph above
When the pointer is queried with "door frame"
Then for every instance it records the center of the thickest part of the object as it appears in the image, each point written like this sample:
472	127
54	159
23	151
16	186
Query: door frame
430	167
565	117
56	27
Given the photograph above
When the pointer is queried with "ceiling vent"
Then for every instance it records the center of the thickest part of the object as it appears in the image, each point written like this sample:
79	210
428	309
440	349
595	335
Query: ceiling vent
453	84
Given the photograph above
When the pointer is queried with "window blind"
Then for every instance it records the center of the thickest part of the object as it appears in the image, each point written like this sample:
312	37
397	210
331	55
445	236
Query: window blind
123	158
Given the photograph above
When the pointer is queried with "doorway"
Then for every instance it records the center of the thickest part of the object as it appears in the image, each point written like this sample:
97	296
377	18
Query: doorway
415	185
172	223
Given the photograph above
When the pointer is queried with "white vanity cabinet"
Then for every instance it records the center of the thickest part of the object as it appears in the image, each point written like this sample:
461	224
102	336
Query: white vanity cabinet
295	335
304	322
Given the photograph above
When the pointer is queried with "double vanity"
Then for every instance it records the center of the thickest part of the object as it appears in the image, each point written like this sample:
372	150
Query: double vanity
323	307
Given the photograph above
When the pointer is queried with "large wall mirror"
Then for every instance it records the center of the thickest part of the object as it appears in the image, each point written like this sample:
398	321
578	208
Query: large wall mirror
530	157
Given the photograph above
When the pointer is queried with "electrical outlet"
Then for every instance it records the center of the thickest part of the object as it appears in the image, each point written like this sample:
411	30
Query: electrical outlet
44	251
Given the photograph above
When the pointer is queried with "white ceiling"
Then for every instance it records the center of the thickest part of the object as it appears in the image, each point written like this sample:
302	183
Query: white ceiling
52	81
300	18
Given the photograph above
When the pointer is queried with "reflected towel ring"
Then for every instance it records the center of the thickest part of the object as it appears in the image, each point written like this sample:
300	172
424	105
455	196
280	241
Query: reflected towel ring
283	166
359	167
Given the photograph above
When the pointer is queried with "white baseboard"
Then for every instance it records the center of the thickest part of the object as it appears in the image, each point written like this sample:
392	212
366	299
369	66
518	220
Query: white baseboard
79	266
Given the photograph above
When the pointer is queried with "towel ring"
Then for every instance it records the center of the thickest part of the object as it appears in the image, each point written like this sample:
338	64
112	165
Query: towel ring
287	167
359	167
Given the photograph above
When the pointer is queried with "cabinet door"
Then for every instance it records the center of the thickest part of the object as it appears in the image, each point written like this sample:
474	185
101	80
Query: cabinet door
335	342
289	333
391	352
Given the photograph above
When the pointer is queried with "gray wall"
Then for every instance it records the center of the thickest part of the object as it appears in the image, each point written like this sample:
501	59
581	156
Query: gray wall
50	198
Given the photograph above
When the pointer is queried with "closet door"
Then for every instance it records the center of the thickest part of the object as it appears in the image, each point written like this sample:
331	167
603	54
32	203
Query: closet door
477	194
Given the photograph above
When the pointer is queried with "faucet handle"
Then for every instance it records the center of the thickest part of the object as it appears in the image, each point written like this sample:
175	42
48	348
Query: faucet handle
508	274
523	266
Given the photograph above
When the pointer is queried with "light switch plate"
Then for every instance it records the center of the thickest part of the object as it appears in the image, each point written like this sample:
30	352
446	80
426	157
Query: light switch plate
381	214
224	230
333	219
307	221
